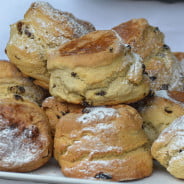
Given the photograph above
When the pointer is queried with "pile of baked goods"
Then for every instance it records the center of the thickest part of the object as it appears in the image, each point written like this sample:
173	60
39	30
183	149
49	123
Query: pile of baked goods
104	103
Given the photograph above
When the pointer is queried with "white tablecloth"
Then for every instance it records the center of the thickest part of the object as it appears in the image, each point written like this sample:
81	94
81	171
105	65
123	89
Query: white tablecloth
104	14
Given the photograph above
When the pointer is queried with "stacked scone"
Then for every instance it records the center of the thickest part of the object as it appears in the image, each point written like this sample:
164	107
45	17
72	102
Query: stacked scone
95	79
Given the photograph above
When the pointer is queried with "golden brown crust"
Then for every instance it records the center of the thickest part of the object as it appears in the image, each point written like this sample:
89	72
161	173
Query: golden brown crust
177	95
55	110
179	55
103	142
143	38
26	142
101	47
43	28
161	66
8	70
42	84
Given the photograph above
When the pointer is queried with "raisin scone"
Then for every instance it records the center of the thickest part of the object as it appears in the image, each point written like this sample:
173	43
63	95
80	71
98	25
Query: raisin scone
168	149
158	112
163	69
97	69
25	139
103	143
14	85
42	28
55	110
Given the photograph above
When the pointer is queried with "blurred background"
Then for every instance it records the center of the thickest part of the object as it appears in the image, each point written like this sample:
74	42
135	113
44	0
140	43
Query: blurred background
104	14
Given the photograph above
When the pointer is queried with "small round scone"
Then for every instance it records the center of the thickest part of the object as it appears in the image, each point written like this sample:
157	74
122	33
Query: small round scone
55	110
158	112
25	139
162	67
42	28
97	69
103	143
168	149
14	85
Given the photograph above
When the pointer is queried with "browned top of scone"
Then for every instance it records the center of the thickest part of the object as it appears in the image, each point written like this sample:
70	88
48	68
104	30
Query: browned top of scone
97	48
9	70
106	139
177	95
24	136
179	55
144	38
70	25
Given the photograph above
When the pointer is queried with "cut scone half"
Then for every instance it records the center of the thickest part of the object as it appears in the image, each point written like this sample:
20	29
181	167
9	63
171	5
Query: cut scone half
103	143
162	67
168	149
97	69
25	139
42	28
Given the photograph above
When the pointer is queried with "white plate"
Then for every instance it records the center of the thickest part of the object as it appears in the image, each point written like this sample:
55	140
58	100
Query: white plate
50	173
104	14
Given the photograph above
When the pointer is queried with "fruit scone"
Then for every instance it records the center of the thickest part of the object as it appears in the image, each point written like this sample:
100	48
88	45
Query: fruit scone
25	139
97	69
42	28
55	110
14	85
159	111
103	143
168	148
162	67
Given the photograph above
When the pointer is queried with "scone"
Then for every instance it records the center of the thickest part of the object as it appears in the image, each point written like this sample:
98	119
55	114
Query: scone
55	110
105	143
97	69
163	69
25	139
168	149
42	28
158	112
14	85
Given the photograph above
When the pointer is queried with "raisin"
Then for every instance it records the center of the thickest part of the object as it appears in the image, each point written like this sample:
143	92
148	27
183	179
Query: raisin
153	78
101	93
156	29
166	47
180	150
18	97
28	33
65	112
166	109
128	46
73	74
58	117
54	85
19	27
111	49
17	57
5	51
17	89
102	175
85	103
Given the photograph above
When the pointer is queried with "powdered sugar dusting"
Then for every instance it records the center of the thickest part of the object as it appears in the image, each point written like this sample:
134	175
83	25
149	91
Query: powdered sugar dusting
15	146
97	114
